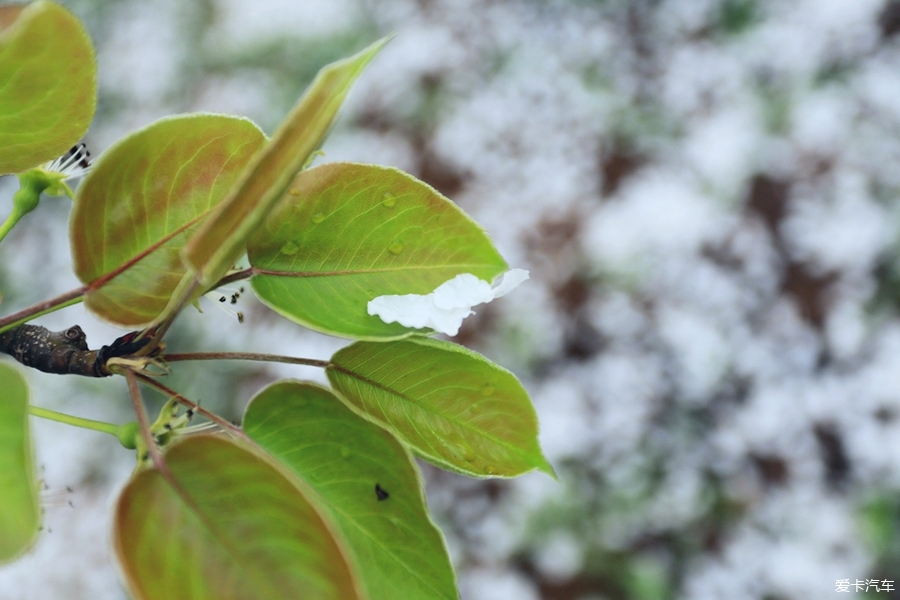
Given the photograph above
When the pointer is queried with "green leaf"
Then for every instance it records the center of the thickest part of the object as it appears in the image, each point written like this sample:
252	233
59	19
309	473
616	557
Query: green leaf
347	233
223	238
143	199
19	514
343	457
454	407
235	527
48	84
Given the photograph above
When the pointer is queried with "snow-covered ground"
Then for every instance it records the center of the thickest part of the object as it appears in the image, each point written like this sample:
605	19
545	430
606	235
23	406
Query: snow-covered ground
705	192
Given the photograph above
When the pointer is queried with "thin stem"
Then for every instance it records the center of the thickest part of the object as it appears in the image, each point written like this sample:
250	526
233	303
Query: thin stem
230	427
236	276
144	422
160	325
52	415
42	308
31	184
309	362
10	222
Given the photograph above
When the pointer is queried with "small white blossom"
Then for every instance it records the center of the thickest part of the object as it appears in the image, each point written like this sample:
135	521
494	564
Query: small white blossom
445	308
222	297
73	163
52	175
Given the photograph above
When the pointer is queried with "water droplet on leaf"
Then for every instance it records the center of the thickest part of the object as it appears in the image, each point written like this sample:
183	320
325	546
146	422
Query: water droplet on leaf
290	249
487	389
345	452
390	200
294	192
395	248
318	218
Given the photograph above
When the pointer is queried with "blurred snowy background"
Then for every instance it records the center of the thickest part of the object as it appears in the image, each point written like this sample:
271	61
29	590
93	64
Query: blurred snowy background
706	194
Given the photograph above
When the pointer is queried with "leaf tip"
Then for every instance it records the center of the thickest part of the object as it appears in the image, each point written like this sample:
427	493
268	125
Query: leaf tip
546	467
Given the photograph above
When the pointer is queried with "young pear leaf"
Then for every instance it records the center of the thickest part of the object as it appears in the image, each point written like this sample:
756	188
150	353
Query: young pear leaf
452	406
232	526
143	199
19	513
365	479
46	104
348	233
223	238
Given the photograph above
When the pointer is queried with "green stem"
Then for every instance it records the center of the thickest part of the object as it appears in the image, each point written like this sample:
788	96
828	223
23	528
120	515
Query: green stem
31	184
309	362
46	413
10	222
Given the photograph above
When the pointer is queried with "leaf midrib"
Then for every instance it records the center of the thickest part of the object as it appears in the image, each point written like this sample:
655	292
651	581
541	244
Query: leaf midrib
427	408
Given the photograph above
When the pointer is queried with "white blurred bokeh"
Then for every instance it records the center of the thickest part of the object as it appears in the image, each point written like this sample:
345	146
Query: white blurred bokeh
705	193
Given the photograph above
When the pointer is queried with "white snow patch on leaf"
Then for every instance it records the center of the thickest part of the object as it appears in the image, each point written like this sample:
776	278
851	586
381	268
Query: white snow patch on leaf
446	307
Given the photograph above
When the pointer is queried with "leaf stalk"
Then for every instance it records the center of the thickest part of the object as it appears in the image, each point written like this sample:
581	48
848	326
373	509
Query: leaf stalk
309	362
52	415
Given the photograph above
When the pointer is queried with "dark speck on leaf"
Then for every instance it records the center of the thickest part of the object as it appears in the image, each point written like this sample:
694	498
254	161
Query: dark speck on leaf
381	493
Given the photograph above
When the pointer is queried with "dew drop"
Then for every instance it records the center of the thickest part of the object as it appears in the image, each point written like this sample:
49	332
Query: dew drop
345	452
318	218
395	248
487	389
390	200
290	249
294	192
490	470
469	455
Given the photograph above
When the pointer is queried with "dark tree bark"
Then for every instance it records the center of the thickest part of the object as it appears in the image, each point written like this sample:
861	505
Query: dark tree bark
65	352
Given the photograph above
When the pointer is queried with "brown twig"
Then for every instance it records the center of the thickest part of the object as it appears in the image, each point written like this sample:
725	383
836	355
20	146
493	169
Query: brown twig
232	277
17	318
229	427
144	422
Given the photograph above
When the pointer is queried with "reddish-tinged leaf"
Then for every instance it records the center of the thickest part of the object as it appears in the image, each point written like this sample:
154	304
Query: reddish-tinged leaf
235	528
142	200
